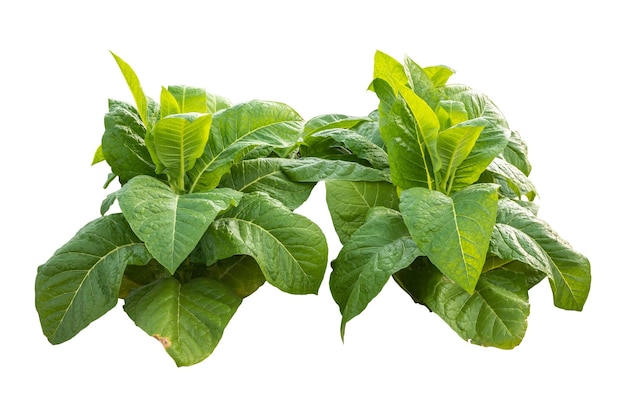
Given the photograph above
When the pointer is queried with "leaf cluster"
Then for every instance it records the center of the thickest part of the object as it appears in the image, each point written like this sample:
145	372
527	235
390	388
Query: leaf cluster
431	188
456	223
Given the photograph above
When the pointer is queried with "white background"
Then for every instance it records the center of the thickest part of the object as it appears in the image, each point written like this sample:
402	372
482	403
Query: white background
554	68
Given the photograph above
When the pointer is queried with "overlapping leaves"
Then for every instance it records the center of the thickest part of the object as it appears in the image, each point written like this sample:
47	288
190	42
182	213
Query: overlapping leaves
465	206
195	173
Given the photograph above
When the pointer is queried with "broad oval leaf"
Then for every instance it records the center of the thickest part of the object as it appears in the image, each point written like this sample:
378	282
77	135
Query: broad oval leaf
188	319
237	130
189	99
171	224
523	237
349	202
453	231
378	249
81	281
290	249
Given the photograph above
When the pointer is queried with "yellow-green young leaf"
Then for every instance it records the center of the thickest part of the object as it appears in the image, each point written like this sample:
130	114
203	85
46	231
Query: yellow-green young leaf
169	105
453	146
390	70
290	249
438	74
409	129
179	140
422	84
187	319
453	231
98	156
171	224
81	281
190	99
135	88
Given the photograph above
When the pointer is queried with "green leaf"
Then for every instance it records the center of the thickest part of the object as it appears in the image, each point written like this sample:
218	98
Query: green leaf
265	175
171	224
240	273
179	140
344	141
453	147
521	236
216	103
169	104
123	144
81	281
422	84
378	249
453	231
438	74
515	179
495	314
238	129
331	121
450	113
409	130
135	88
190	99
317	169
188	319
390	70
349	202
289	248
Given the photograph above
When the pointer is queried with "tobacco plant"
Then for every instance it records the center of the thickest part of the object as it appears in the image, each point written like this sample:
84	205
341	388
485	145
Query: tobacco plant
431	189
456	224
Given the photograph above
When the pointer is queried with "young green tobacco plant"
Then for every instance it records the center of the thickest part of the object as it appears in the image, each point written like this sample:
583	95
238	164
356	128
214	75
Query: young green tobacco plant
455	224
206	219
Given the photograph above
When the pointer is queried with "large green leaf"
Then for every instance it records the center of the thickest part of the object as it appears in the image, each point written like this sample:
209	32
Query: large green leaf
348	203
378	249
171	224
265	175
81	281
422	84
237	130
515	179
289	248
494	315
123	144
409	129
179	140
521	236
453	231
188	319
